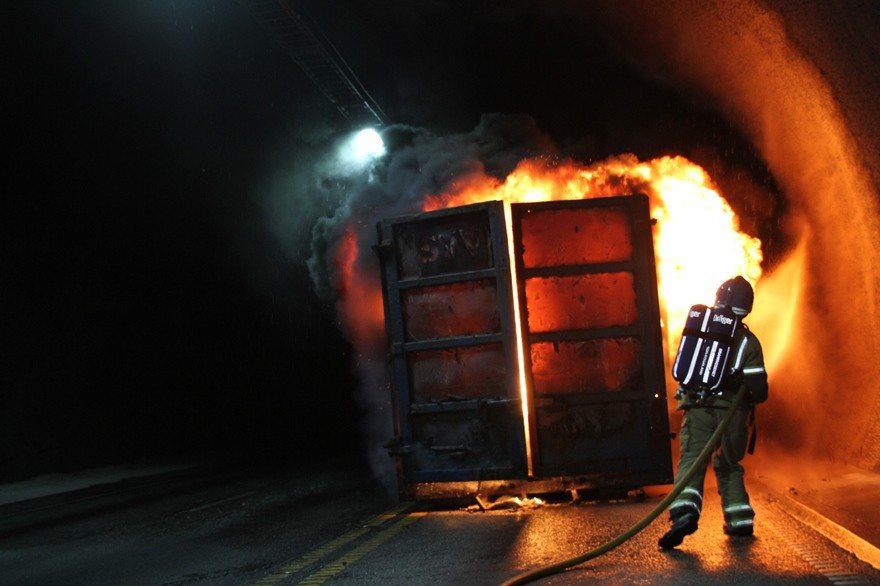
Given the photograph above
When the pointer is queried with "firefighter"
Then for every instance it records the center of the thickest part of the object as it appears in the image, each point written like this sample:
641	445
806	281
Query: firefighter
703	413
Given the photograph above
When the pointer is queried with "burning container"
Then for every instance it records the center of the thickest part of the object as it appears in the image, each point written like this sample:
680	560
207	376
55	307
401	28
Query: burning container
525	348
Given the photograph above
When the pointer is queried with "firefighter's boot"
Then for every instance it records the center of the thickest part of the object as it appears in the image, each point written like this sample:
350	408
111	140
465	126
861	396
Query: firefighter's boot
682	526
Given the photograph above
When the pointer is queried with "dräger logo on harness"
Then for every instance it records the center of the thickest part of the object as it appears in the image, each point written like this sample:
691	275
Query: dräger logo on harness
723	319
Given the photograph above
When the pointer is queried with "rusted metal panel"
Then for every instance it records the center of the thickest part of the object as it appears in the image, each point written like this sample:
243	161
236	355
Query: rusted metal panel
586	366
581	301
453	309
588	295
458	374
450	324
572	235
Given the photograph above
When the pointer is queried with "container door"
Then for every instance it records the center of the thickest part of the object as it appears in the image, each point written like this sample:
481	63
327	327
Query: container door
587	286
450	323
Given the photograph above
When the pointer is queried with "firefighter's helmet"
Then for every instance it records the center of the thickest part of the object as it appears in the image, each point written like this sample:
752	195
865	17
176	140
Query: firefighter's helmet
737	294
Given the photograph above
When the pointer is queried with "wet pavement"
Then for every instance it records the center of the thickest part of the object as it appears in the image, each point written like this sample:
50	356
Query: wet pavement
840	502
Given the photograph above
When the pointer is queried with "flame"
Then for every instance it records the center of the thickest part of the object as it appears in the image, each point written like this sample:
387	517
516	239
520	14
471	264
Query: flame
360	302
697	242
777	307
520	347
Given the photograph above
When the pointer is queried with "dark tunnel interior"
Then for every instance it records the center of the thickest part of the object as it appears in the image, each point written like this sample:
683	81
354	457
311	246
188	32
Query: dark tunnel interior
176	203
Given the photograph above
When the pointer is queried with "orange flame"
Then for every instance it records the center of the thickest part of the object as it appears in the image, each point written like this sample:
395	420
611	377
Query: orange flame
697	241
360	301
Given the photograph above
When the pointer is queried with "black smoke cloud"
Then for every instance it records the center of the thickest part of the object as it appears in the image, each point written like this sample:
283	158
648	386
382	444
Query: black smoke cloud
417	163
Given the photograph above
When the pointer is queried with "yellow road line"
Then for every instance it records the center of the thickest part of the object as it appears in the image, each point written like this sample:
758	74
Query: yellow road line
311	557
357	553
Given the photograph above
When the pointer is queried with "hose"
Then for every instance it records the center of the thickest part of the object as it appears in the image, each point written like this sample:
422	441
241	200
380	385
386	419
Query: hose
542	572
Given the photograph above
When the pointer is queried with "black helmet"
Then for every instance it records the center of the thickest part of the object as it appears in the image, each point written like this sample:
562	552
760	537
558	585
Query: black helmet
737	294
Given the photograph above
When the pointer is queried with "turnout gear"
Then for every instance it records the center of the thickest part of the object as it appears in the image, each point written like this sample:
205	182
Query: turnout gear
703	412
748	361
739	519
689	502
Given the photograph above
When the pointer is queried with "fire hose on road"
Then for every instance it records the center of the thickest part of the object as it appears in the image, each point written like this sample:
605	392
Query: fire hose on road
702	459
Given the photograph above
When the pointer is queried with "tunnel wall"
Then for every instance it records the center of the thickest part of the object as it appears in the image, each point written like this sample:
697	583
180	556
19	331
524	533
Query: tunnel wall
782	75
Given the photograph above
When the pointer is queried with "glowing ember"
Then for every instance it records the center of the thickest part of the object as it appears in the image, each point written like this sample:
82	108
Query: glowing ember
520	349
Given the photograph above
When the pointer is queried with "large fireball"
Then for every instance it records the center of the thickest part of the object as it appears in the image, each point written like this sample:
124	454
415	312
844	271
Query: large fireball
697	240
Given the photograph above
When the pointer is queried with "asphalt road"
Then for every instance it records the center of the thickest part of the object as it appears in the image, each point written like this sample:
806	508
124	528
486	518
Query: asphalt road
331	524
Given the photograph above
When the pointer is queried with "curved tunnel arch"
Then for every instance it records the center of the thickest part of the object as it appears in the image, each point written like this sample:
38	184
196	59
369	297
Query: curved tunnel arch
808	113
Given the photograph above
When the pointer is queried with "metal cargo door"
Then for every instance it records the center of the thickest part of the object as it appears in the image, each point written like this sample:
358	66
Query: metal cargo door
587	286
450	325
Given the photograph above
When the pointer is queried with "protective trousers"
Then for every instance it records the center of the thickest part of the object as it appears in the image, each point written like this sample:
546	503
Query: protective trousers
698	425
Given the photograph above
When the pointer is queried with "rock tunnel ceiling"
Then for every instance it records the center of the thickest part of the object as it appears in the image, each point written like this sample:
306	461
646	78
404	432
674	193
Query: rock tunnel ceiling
807	112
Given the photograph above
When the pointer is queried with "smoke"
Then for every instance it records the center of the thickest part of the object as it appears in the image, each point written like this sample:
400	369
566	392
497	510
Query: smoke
342	266
418	163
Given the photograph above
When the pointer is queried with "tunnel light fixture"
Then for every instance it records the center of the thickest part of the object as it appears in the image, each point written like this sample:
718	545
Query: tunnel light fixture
358	151
367	144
